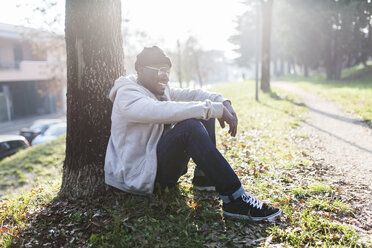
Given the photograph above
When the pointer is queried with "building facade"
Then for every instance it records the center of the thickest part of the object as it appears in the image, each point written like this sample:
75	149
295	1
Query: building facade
24	74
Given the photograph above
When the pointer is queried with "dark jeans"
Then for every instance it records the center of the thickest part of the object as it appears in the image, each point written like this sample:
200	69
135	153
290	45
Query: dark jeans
196	139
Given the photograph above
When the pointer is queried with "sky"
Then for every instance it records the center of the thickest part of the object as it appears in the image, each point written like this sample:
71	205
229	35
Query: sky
212	22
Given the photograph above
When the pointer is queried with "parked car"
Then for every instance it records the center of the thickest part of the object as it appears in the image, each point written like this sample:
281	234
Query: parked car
10	144
37	128
51	133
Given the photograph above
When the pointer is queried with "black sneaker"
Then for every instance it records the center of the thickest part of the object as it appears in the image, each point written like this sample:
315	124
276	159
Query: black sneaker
203	183
249	207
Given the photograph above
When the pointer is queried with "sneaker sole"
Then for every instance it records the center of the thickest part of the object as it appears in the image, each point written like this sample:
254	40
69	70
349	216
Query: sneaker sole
205	188
245	217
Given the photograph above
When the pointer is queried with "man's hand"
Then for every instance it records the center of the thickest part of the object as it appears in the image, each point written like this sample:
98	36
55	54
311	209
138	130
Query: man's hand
227	104
230	118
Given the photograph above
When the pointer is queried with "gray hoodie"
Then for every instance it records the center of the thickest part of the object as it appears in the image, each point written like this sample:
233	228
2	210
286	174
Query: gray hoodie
137	123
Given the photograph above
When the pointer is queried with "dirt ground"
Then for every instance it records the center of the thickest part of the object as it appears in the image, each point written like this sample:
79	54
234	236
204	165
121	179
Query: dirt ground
340	144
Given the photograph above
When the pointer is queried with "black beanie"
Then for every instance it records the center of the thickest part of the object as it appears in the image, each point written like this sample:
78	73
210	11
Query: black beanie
151	56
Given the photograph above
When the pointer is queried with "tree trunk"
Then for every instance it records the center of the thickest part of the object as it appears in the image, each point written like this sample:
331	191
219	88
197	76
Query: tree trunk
267	7
276	69
179	64
306	71
329	54
368	48
282	64
294	64
94	60
329	73
338	65
197	68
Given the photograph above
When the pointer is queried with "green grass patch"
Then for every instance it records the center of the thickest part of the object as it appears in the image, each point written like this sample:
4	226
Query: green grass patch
330	206
32	166
355	70
263	156
302	135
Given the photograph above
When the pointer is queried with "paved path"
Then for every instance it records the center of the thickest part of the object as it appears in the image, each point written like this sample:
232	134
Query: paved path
339	139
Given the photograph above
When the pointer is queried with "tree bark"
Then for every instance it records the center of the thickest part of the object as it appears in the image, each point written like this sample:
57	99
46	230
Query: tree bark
368	48
330	54
267	6
282	64
338	61
306	71
294	63
179	64
334	58
94	60
197	68
276	67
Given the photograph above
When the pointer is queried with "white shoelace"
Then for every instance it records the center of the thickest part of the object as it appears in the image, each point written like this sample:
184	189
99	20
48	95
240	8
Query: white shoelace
252	200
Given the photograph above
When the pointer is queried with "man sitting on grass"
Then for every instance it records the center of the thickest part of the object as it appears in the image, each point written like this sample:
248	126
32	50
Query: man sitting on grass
157	129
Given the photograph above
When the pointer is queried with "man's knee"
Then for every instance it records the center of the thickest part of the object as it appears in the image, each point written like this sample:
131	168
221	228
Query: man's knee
190	122
193	126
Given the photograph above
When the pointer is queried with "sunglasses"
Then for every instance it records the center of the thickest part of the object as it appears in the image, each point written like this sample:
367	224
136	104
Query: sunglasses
162	70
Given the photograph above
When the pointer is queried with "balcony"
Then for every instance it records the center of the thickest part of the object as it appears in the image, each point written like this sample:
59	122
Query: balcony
26	71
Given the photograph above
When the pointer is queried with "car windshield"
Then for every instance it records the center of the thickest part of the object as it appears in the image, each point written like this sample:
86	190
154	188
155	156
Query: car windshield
37	128
55	130
42	126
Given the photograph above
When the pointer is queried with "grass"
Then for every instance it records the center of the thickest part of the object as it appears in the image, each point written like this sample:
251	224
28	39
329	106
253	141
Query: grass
355	96
354	70
16	213
30	167
264	157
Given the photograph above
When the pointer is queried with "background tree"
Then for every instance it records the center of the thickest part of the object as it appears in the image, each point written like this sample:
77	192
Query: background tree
267	7
134	40
179	63
244	39
190	61
324	35
94	61
193	64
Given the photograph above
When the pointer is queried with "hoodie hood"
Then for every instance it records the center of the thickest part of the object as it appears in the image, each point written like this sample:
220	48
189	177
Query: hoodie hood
120	82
